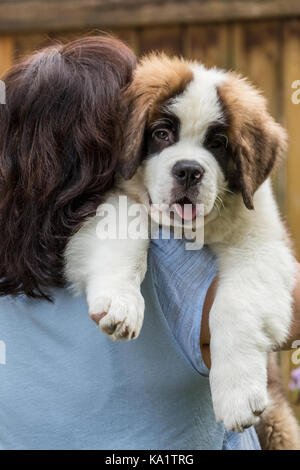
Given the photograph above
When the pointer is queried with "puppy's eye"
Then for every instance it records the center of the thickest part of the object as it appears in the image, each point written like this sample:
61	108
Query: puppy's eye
218	141
162	134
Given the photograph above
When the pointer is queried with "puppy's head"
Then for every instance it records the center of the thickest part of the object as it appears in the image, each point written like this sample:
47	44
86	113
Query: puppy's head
196	133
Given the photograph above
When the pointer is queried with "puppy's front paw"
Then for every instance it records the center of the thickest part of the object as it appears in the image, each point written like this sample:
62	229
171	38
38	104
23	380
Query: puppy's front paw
238	404
241	410
119	315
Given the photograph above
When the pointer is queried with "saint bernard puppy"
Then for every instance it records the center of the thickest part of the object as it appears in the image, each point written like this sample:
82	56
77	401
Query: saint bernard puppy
196	136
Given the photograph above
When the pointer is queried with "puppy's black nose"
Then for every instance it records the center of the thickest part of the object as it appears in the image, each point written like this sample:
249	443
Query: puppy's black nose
188	173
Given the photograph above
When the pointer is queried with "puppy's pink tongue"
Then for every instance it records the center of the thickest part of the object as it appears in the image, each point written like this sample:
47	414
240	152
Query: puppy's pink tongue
185	211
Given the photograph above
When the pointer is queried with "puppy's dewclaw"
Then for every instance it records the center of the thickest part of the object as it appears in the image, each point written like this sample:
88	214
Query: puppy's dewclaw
96	317
120	317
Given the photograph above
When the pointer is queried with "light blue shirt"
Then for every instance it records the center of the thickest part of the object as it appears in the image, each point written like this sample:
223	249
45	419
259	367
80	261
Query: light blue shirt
65	385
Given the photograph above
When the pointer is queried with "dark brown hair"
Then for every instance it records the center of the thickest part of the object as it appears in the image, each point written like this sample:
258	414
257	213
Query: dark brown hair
57	154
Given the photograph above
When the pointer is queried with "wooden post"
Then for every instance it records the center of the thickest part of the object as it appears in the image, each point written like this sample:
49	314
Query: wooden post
28	43
168	39
129	35
258	55
6	53
208	43
291	69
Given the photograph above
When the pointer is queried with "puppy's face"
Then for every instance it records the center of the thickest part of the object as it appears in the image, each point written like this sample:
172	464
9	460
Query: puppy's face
186	148
197	134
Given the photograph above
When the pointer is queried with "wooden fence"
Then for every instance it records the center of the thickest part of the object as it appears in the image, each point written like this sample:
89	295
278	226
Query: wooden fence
258	39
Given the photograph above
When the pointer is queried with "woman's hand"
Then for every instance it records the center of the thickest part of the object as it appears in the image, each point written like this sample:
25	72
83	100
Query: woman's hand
205	333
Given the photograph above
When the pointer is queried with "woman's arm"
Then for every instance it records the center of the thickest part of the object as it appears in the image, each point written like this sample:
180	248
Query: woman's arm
295	327
205	334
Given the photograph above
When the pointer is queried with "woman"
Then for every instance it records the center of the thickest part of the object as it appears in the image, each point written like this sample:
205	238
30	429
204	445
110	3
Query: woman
65	385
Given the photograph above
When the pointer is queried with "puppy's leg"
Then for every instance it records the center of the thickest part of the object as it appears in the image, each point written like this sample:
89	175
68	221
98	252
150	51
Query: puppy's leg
250	316
238	376
110	270
278	428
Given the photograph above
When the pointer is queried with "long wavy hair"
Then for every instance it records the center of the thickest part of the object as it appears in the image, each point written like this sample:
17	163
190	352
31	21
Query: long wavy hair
58	154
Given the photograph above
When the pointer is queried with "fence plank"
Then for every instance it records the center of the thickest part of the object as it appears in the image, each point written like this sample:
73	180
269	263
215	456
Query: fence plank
27	43
130	36
258	54
57	15
208	43
291	70
169	40
6	53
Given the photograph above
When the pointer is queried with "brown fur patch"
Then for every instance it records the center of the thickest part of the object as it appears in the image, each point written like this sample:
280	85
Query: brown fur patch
157	79
257	141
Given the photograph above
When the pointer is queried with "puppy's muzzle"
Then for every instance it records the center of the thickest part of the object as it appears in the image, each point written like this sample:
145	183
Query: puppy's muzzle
187	173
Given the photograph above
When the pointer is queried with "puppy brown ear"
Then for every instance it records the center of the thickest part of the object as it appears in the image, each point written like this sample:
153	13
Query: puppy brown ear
257	142
157	79
262	144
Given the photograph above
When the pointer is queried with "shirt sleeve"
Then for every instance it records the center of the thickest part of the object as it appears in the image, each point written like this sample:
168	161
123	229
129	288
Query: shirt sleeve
182	278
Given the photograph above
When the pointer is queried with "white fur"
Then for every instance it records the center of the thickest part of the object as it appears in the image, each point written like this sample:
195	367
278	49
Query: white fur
110	272
196	109
252	310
